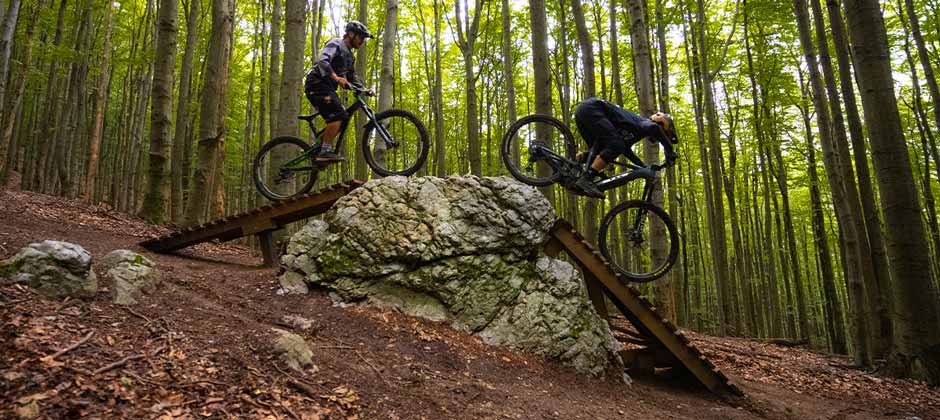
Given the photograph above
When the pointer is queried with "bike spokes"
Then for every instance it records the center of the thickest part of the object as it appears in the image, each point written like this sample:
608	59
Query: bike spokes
529	146
639	240
396	143
284	168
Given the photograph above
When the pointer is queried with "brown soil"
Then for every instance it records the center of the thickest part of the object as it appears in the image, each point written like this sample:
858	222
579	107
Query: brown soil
199	347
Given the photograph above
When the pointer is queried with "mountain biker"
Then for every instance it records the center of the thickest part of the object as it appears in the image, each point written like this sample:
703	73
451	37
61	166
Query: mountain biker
334	69
614	131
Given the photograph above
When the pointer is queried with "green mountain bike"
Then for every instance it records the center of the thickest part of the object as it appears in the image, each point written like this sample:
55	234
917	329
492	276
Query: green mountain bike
394	142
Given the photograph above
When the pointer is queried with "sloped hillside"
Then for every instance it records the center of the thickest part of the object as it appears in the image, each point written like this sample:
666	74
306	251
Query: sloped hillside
201	347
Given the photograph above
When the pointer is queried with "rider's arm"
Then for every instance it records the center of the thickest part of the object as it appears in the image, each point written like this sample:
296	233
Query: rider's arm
326	57
656	133
631	155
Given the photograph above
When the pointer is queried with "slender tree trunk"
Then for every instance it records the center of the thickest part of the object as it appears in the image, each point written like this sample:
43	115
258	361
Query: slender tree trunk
274	73
508	78
874	311
916	346
51	110
7	29
101	95
642	65
834	317
362	171
839	186
387	78
211	121
157	200
440	157
588	84
180	135
866	192
715	204
542	83
8	117
467	29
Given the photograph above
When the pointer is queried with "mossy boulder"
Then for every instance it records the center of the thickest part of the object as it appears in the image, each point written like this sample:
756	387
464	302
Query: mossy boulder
464	250
55	269
131	275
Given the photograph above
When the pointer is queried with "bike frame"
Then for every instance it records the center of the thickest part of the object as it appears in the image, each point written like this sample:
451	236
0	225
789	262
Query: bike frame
564	166
356	106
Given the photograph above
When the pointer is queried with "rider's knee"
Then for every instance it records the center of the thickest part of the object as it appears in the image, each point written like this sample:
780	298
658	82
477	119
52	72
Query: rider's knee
336	117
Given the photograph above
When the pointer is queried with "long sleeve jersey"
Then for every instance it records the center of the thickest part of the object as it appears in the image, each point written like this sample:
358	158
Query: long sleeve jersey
334	58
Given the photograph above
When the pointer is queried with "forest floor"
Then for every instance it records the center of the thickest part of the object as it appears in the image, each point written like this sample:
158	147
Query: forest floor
199	347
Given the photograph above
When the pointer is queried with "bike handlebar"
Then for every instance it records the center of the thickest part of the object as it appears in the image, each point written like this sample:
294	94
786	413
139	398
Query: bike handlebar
360	89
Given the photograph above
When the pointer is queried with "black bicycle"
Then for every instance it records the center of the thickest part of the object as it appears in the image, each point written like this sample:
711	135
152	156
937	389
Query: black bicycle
394	142
529	152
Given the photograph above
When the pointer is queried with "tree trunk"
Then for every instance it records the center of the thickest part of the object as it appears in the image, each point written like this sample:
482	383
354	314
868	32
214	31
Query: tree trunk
362	171
508	78
101	95
715	203
387	78
211	121
834	317
51	111
274	78
180	135
916	346
6	43
839	187
9	120
866	192
440	157
587	64
642	65
875	310
467	29
157	200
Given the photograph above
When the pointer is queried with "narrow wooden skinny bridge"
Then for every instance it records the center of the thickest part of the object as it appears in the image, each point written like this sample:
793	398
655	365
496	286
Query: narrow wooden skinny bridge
652	342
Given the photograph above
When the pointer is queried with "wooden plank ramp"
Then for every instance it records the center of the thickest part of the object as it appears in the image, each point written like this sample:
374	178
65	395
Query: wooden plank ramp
261	221
655	343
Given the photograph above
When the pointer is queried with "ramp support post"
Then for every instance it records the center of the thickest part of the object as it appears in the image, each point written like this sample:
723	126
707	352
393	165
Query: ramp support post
268	248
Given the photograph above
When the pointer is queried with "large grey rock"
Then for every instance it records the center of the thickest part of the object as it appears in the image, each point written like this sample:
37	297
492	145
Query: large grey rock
55	269
131	275
465	250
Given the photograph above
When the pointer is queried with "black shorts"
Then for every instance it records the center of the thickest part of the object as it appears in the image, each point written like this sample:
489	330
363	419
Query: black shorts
598	131
329	105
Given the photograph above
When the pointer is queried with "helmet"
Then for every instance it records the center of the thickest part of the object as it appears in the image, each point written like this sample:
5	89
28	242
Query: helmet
671	131
358	28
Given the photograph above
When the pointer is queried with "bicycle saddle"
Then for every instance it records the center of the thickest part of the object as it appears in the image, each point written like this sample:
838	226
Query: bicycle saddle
308	117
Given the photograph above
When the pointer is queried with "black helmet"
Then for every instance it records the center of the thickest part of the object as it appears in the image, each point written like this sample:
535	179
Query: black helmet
358	28
671	131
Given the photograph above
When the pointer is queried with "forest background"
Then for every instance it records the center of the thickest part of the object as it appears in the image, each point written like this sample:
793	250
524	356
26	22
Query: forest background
804	194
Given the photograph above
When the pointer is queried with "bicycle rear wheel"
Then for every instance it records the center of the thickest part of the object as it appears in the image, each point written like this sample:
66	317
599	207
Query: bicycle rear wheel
409	149
528	164
276	177
625	239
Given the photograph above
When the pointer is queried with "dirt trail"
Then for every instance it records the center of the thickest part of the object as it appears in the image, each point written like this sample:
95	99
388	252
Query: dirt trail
199	348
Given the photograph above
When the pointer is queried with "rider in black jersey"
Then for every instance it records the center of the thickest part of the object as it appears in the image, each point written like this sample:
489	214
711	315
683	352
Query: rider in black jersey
614	131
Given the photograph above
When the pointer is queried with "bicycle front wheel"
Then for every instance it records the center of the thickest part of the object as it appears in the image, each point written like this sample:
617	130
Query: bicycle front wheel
404	151
639	240
528	164
281	170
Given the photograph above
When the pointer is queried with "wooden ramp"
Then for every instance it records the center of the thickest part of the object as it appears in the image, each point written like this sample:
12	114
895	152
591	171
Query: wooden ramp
653	341
261	221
